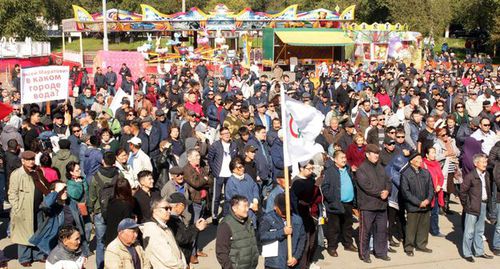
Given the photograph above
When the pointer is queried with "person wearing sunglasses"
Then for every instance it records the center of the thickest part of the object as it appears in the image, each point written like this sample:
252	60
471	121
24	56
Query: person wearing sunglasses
485	134
240	183
388	151
447	154
162	248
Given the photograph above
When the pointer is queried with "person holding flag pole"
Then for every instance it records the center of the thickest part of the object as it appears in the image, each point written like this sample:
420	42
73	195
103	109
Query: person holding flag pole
302	124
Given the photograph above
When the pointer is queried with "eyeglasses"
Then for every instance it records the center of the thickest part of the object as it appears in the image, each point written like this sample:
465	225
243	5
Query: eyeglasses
309	168
459	107
391	144
400	136
486	125
77	130
217	99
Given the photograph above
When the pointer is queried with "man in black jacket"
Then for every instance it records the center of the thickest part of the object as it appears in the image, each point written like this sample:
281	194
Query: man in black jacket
373	186
338	190
184	234
145	195
474	195
99	79
417	191
12	162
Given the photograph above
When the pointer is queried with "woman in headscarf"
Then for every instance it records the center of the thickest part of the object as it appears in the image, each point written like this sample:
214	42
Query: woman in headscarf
470	148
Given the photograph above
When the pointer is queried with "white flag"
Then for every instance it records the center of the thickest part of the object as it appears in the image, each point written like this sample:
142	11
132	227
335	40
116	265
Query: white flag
302	124
117	100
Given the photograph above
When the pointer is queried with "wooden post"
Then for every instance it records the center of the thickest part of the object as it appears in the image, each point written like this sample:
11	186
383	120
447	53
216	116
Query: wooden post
288	209
287	177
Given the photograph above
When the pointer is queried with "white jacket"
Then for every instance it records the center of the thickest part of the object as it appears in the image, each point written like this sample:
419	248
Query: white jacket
160	246
139	162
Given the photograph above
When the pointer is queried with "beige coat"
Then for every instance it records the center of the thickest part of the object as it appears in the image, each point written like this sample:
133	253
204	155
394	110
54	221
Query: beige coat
161	247
21	196
118	257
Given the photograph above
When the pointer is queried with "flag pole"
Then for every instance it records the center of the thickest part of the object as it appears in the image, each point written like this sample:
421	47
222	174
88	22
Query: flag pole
287	177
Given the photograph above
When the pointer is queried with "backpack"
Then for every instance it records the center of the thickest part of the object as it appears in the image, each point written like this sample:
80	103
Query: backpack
106	193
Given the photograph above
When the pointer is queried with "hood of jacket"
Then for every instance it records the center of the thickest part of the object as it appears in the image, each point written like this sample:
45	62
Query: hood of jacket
10	129
62	154
108	172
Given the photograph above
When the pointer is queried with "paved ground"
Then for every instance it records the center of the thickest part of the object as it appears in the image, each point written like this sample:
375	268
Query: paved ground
446	251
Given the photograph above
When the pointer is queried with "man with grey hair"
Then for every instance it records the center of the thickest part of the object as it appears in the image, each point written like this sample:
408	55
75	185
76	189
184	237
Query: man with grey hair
196	176
474	195
159	241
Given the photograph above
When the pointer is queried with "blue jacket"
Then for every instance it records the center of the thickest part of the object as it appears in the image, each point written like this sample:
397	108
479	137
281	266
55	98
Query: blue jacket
392	170
324	108
272	228
258	121
154	140
164	128
212	112
145	141
45	237
269	206
277	156
245	187
93	159
263	160
75	145
216	155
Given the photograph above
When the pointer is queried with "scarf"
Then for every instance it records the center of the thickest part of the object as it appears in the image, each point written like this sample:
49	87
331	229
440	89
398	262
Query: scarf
239	177
39	180
434	168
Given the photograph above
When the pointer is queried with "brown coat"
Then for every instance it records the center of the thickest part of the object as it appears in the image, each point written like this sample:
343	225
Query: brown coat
197	182
330	138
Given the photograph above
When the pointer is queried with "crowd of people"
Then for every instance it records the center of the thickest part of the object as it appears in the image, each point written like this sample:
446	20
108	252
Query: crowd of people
194	148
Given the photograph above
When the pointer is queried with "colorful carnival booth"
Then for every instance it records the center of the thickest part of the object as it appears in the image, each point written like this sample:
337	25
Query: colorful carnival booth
379	42
220	34
308	46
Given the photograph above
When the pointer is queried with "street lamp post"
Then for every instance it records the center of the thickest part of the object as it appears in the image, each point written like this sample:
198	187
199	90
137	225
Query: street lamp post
105	26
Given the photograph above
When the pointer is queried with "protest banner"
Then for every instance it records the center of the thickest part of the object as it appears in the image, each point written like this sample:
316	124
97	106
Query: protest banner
45	83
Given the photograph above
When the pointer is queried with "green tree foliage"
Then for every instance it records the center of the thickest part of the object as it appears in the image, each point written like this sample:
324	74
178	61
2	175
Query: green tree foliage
19	19
473	14
425	16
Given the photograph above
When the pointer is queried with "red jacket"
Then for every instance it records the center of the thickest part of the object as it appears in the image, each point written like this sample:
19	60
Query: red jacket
434	168
355	156
384	99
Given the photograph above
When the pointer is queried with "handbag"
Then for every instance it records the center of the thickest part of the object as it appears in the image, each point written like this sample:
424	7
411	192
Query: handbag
82	208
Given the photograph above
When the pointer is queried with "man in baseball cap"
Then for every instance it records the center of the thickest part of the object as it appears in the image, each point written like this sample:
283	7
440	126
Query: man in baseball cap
135	256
